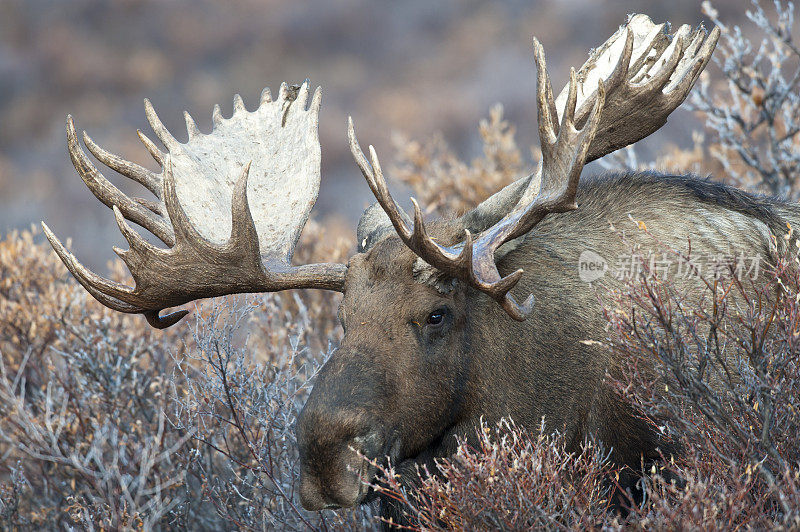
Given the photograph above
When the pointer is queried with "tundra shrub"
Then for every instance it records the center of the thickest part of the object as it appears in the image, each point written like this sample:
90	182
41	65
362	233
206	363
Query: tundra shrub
83	435
721	377
512	479
449	186
753	112
106	423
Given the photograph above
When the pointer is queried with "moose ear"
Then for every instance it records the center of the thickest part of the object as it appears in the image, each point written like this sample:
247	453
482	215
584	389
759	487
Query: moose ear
373	226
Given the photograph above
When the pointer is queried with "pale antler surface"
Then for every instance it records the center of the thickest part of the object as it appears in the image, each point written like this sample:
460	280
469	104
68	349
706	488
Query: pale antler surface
230	205
640	93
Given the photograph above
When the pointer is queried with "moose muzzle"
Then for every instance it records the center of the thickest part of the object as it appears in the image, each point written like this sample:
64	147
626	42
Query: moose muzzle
339	433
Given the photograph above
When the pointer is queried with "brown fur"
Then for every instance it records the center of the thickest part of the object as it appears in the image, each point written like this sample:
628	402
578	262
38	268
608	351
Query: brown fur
401	388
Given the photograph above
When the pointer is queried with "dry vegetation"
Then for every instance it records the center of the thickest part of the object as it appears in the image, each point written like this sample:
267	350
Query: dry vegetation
108	424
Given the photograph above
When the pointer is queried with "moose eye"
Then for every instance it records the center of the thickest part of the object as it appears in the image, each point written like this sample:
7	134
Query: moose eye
436	317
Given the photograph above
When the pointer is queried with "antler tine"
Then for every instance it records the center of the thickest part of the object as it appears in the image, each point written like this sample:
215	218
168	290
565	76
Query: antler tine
680	88
238	104
516	310
417	238
266	96
243	228
445	258
572	99
158	155
316	100
151	206
111	195
191	127
139	247
216	116
620	73
548	117
302	95
90	280
377	184
75	267
159	129
359	156
162	322
661	78
140	174
640	66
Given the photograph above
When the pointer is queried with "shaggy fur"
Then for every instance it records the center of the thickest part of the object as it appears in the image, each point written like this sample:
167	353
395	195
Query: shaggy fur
401	387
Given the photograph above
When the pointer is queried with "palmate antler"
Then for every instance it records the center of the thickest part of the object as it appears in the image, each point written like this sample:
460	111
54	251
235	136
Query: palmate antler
231	206
651	73
661	71
624	92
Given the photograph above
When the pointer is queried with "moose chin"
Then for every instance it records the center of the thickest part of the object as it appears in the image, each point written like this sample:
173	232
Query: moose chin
446	322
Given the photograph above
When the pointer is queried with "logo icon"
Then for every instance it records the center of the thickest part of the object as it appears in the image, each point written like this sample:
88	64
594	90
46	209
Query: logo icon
591	266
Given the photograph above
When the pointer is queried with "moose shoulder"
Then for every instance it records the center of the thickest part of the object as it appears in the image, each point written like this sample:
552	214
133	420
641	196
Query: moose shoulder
447	322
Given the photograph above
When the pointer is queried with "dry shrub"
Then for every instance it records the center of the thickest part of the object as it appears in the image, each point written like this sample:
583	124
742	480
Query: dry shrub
241	413
752	113
83	391
509	480
106	423
694	160
718	373
447	185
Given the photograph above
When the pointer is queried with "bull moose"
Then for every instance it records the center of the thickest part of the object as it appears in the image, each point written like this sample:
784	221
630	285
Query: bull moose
445	321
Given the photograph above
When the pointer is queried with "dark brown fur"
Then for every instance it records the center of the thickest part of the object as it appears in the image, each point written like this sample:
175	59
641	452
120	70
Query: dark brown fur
399	387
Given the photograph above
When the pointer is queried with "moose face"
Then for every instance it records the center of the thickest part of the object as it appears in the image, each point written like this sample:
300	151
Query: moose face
394	386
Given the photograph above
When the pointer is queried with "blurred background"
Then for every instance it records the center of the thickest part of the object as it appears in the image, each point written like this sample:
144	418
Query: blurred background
416	67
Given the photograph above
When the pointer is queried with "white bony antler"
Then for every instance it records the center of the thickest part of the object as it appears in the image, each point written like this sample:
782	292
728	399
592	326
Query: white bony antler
624	92
648	72
230	207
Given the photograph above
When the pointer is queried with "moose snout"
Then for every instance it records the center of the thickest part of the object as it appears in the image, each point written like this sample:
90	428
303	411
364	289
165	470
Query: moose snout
340	430
336	473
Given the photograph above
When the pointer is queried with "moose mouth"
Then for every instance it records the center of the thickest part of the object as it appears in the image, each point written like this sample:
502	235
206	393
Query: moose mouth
404	467
365	480
373	469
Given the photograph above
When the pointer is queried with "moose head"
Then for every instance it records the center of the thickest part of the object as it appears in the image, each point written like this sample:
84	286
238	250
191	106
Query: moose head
441	325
